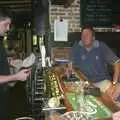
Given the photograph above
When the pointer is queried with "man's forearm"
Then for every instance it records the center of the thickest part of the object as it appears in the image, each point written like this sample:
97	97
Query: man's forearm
7	78
116	70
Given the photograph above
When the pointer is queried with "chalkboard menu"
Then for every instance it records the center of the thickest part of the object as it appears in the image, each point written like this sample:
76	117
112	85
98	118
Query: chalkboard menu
116	12
96	12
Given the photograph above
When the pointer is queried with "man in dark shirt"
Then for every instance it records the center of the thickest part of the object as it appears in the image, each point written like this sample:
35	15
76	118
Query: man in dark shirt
5	22
92	58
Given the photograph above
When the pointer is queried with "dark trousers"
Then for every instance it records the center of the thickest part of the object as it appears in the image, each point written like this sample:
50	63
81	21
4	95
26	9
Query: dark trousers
3	104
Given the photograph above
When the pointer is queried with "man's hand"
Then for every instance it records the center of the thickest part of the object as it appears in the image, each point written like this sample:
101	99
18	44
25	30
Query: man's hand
116	116
22	75
114	91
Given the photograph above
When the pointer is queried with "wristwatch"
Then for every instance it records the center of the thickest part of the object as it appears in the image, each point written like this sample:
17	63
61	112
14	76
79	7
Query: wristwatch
114	82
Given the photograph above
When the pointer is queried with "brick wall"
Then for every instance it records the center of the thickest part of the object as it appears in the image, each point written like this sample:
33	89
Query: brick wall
72	14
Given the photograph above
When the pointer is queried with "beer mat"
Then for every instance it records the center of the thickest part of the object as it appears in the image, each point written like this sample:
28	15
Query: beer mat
93	106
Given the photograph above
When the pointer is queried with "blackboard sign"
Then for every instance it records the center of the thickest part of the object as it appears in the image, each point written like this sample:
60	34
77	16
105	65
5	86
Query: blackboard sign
96	12
116	12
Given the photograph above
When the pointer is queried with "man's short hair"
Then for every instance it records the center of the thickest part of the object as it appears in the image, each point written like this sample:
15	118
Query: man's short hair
5	13
87	26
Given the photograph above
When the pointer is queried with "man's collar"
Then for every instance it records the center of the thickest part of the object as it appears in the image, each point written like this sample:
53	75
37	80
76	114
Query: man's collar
95	44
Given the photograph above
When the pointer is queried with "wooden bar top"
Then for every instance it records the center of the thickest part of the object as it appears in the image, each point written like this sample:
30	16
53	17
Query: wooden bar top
104	98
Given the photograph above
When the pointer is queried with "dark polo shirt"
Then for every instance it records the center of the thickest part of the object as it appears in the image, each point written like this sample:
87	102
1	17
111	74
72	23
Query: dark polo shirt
93	62
4	70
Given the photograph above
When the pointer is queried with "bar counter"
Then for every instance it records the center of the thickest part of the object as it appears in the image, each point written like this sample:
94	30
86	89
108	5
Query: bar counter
104	98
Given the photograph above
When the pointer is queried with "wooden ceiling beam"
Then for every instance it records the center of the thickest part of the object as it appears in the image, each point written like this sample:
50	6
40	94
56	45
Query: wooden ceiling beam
20	6
16	2
22	9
